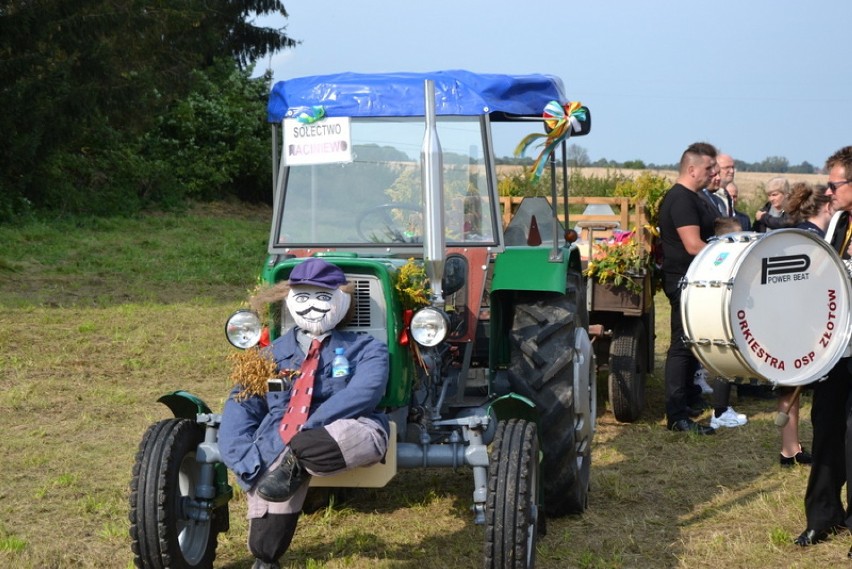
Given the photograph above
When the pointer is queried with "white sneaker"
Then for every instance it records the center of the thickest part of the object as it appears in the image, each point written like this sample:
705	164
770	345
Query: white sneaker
701	381
729	418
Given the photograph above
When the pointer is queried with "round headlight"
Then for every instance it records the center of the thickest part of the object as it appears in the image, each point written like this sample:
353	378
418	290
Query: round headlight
243	329
429	327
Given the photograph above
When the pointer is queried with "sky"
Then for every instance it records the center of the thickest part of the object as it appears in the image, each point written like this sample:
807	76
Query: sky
756	78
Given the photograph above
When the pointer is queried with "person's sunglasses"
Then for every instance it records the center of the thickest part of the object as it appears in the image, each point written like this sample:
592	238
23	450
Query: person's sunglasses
832	186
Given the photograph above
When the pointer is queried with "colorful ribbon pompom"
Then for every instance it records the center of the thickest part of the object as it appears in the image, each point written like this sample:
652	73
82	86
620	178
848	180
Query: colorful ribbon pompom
308	117
559	120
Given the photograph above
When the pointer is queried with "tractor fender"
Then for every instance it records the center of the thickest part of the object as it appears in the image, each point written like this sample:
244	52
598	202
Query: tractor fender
184	404
532	268
514	406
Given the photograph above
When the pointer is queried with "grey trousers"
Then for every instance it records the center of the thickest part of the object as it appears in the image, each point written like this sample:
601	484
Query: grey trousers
361	442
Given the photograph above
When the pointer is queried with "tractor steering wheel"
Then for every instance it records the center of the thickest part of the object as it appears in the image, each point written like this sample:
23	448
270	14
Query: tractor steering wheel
395	230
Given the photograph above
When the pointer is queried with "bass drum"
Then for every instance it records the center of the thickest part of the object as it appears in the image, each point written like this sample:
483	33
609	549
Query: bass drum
772	307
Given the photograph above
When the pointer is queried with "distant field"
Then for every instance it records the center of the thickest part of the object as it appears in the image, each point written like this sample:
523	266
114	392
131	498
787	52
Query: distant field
751	184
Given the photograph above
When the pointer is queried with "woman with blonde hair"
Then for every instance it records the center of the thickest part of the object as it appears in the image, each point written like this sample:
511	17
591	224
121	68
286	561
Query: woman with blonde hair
773	215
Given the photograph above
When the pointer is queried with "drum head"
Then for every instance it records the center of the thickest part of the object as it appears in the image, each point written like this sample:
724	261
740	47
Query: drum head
789	307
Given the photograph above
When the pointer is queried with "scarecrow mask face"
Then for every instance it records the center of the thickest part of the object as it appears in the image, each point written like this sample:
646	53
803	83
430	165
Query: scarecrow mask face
315	309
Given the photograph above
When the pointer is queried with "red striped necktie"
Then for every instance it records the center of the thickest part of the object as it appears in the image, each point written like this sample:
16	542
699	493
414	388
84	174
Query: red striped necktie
300	398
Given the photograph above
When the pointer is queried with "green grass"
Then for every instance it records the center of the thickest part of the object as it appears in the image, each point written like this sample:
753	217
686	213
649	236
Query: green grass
101	318
158	258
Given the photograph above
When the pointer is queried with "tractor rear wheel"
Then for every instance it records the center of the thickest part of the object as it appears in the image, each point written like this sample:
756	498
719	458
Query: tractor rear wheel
511	512
627	365
162	532
544	347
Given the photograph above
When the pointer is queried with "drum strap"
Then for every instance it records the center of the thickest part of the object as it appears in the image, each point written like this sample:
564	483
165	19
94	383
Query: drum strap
846	239
832	227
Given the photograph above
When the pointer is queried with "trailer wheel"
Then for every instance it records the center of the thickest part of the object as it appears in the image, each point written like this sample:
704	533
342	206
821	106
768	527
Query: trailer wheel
543	350
627	366
511	512
164	477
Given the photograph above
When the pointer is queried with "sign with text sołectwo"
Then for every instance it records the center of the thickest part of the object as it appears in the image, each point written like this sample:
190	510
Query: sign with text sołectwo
323	142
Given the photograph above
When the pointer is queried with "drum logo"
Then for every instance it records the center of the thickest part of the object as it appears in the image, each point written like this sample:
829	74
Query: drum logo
784	268
721	258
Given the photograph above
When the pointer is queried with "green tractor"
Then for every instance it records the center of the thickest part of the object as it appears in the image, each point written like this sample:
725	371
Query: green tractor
389	176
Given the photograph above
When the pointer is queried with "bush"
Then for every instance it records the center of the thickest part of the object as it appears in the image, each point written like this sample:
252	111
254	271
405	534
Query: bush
646	187
519	184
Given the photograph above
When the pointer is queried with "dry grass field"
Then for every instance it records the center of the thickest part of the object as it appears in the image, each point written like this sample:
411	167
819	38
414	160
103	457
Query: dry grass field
751	184
98	320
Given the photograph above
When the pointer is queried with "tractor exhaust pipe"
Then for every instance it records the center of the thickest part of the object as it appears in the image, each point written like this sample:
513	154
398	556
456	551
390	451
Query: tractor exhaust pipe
433	207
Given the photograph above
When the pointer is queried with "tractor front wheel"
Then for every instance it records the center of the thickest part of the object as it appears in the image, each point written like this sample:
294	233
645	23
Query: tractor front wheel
164	529
511	510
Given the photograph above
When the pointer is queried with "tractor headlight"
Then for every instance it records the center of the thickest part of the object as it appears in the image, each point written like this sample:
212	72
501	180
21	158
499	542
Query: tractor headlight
429	327
243	329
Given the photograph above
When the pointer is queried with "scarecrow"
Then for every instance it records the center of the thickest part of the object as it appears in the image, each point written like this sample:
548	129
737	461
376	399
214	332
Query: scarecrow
308	419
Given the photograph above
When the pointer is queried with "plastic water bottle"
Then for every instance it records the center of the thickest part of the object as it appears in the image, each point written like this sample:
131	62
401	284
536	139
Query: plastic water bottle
339	365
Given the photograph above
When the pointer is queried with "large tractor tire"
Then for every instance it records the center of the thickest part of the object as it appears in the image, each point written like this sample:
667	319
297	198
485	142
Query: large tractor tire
165	474
511	510
543	343
627	367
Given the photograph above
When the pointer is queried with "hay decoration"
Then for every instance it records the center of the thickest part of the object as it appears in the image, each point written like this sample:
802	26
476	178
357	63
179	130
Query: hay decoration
412	286
251	369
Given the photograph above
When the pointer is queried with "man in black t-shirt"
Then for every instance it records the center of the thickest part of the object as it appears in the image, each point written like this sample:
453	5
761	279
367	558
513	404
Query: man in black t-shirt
686	223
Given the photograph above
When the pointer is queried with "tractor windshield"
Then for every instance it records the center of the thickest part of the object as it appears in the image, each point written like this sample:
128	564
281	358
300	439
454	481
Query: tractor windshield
374	199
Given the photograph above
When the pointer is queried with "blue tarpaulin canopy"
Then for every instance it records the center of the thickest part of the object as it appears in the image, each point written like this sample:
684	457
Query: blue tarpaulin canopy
457	92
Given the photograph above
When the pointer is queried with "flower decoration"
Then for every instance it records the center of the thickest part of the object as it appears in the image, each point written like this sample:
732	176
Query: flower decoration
559	120
412	285
621	260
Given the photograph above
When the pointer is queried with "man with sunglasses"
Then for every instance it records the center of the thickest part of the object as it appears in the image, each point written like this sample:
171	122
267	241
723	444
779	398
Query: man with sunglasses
830	413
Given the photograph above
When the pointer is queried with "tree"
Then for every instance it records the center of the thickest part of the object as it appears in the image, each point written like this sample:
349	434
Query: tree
803	168
577	156
81	81
777	164
634	165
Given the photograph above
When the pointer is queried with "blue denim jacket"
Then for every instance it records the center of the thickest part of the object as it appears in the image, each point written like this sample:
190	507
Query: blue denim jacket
248	436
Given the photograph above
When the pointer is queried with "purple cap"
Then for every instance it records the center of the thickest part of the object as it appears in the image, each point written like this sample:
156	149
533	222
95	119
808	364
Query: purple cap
315	271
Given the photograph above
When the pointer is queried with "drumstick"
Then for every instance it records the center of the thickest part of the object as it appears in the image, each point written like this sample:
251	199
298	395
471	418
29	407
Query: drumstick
782	417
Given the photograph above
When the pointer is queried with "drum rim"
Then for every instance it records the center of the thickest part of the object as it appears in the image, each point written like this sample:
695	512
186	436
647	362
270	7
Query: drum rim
752	238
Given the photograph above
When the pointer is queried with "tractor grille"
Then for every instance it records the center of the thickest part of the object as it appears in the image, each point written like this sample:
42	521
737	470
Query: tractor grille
370	309
362	317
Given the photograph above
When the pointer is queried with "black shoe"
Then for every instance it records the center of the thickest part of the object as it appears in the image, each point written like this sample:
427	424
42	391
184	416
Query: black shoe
687	425
258	564
812	536
280	483
802	457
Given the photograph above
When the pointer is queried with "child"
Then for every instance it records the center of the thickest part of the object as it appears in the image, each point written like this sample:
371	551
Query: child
723	414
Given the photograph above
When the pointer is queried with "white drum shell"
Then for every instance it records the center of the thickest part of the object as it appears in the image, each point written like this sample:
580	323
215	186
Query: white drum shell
773	307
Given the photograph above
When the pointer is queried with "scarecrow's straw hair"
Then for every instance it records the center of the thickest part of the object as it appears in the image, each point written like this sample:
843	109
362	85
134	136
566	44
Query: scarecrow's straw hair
251	369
